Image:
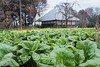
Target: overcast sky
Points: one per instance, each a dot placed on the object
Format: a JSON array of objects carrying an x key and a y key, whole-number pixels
[{"x": 83, "y": 3}]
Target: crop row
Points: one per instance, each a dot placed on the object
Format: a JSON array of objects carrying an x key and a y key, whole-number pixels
[{"x": 60, "y": 48}]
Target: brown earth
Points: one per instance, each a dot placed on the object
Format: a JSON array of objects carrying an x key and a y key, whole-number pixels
[
  {"x": 27, "y": 27},
  {"x": 4, "y": 25}
]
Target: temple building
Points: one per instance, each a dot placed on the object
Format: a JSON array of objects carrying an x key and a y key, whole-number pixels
[{"x": 55, "y": 19}]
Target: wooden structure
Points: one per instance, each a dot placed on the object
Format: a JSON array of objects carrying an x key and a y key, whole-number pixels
[
  {"x": 54, "y": 19},
  {"x": 97, "y": 24},
  {"x": 59, "y": 23}
]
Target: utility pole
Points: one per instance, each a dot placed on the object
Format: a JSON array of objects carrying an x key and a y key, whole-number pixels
[{"x": 20, "y": 14}]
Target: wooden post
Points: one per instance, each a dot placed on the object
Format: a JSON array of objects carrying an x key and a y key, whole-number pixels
[{"x": 97, "y": 23}]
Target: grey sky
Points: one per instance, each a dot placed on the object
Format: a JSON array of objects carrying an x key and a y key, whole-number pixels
[{"x": 83, "y": 3}]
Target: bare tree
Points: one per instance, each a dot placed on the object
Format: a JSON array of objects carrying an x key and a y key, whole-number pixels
[
  {"x": 29, "y": 8},
  {"x": 83, "y": 16},
  {"x": 66, "y": 9},
  {"x": 97, "y": 10},
  {"x": 91, "y": 11},
  {"x": 41, "y": 7}
]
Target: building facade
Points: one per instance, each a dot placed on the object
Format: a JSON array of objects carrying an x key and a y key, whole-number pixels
[{"x": 55, "y": 19}]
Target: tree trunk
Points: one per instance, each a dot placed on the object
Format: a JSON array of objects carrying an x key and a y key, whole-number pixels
[{"x": 66, "y": 21}]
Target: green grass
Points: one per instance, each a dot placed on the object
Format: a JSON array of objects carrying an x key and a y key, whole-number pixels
[
  {"x": 83, "y": 29},
  {"x": 98, "y": 39},
  {"x": 89, "y": 30}
]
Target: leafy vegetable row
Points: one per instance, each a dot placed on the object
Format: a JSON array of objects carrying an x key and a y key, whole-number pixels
[{"x": 52, "y": 48}]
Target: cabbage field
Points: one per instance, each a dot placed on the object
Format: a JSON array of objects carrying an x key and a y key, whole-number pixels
[{"x": 49, "y": 48}]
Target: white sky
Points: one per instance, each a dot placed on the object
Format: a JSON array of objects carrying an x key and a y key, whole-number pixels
[{"x": 83, "y": 3}]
